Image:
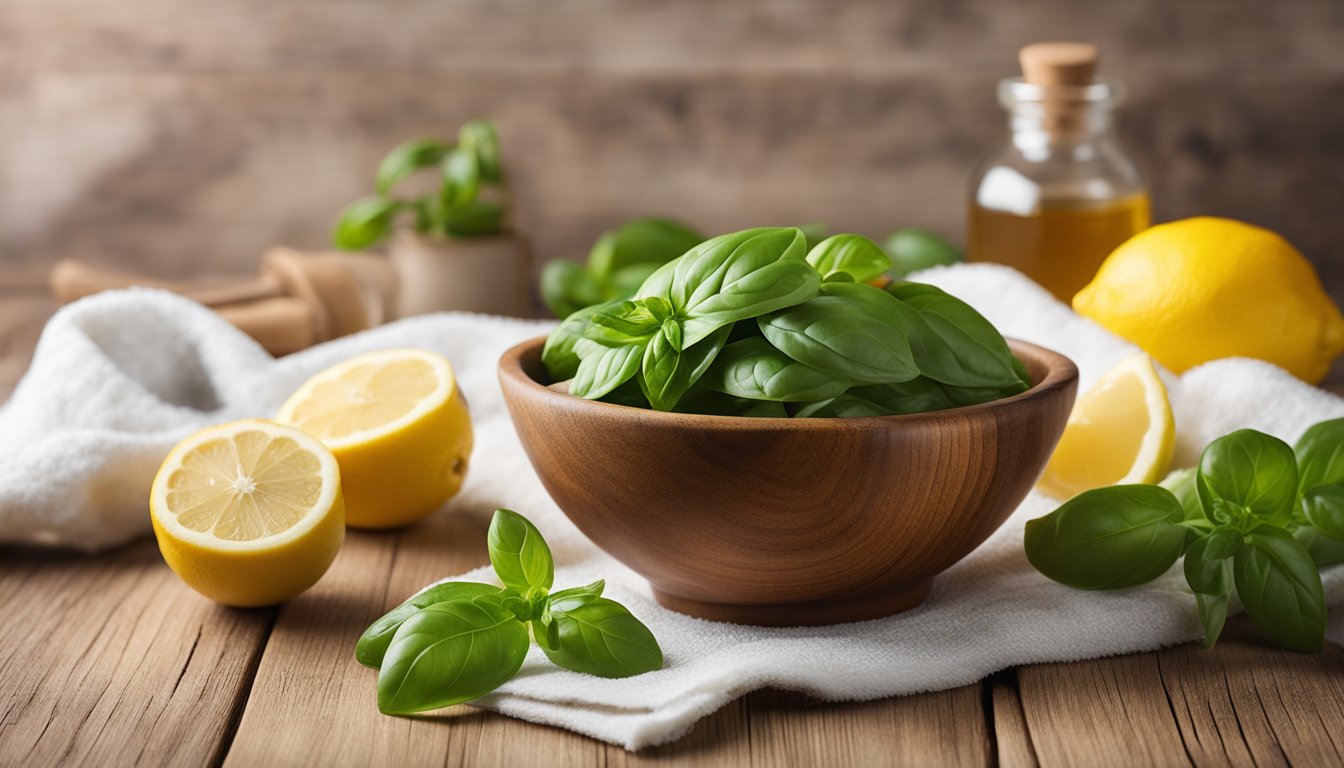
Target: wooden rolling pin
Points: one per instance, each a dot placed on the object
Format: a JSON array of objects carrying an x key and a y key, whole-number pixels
[{"x": 297, "y": 300}]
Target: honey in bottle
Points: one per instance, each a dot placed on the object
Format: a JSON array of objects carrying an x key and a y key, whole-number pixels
[{"x": 1060, "y": 195}]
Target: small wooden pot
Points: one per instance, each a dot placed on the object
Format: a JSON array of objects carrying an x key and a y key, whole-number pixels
[
  {"x": 472, "y": 274},
  {"x": 788, "y": 522}
]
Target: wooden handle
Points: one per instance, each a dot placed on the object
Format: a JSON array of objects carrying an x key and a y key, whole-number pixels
[{"x": 281, "y": 325}]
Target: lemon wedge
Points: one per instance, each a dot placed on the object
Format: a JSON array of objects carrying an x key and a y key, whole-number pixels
[
  {"x": 1120, "y": 431},
  {"x": 399, "y": 428},
  {"x": 248, "y": 513}
]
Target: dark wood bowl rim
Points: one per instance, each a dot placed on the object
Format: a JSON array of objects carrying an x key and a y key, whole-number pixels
[{"x": 1060, "y": 372}]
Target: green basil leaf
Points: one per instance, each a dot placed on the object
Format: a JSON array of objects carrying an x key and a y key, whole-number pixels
[
  {"x": 574, "y": 597},
  {"x": 846, "y": 406},
  {"x": 701, "y": 399},
  {"x": 479, "y": 217},
  {"x": 567, "y": 287},
  {"x": 600, "y": 637},
  {"x": 519, "y": 553},
  {"x": 1181, "y": 483},
  {"x": 1251, "y": 470},
  {"x": 1324, "y": 508},
  {"x": 629, "y": 394},
  {"x": 1221, "y": 544},
  {"x": 917, "y": 395},
  {"x": 405, "y": 160},
  {"x": 1108, "y": 538},
  {"x": 461, "y": 178},
  {"x": 559, "y": 353},
  {"x": 1324, "y": 550},
  {"x": 914, "y": 249},
  {"x": 481, "y": 138},
  {"x": 735, "y": 277},
  {"x": 364, "y": 223},
  {"x": 853, "y": 255},
  {"x": 603, "y": 368},
  {"x": 1211, "y": 580},
  {"x": 622, "y": 322},
  {"x": 1320, "y": 455},
  {"x": 1280, "y": 588},
  {"x": 449, "y": 653},
  {"x": 644, "y": 243},
  {"x": 849, "y": 331},
  {"x": 373, "y": 643},
  {"x": 667, "y": 372},
  {"x": 955, "y": 344},
  {"x": 754, "y": 369}
]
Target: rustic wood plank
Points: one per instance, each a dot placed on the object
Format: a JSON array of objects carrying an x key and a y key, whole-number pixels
[
  {"x": 111, "y": 660},
  {"x": 1012, "y": 740},
  {"x": 1243, "y": 703}
]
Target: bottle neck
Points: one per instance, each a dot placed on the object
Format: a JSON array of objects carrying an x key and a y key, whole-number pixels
[{"x": 1058, "y": 116}]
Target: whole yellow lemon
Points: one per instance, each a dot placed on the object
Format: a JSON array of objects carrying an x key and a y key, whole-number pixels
[{"x": 1206, "y": 288}]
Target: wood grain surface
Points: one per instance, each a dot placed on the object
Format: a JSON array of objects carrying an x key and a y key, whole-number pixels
[{"x": 186, "y": 139}]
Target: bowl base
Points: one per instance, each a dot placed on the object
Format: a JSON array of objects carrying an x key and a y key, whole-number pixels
[{"x": 837, "y": 610}]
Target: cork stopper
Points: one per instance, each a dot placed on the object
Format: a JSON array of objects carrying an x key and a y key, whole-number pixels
[{"x": 1059, "y": 64}]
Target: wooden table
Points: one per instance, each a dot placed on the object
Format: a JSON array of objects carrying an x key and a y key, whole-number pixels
[{"x": 110, "y": 660}]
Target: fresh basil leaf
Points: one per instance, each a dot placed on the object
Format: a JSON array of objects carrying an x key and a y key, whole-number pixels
[
  {"x": 519, "y": 553},
  {"x": 567, "y": 287},
  {"x": 364, "y": 223},
  {"x": 853, "y": 255},
  {"x": 846, "y": 406},
  {"x": 559, "y": 354},
  {"x": 603, "y": 368},
  {"x": 405, "y": 160},
  {"x": 955, "y": 344},
  {"x": 1320, "y": 455},
  {"x": 667, "y": 372},
  {"x": 1280, "y": 588},
  {"x": 1324, "y": 550},
  {"x": 642, "y": 243},
  {"x": 1211, "y": 580},
  {"x": 602, "y": 638},
  {"x": 479, "y": 217},
  {"x": 1252, "y": 471},
  {"x": 481, "y": 138},
  {"x": 622, "y": 322},
  {"x": 461, "y": 178},
  {"x": 373, "y": 643},
  {"x": 1324, "y": 508},
  {"x": 703, "y": 400},
  {"x": 755, "y": 370},
  {"x": 449, "y": 653},
  {"x": 851, "y": 332},
  {"x": 1181, "y": 483},
  {"x": 1221, "y": 544},
  {"x": 629, "y": 394},
  {"x": 1108, "y": 538},
  {"x": 917, "y": 395},
  {"x": 575, "y": 597},
  {"x": 735, "y": 277}
]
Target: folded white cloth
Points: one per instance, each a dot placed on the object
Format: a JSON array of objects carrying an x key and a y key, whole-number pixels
[{"x": 119, "y": 378}]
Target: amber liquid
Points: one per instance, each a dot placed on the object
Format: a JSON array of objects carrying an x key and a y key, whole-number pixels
[{"x": 1061, "y": 245}]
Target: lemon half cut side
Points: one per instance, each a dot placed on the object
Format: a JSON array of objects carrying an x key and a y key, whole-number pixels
[
  {"x": 399, "y": 428},
  {"x": 1121, "y": 431},
  {"x": 249, "y": 513}
]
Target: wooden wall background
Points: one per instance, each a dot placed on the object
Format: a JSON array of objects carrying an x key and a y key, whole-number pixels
[{"x": 185, "y": 137}]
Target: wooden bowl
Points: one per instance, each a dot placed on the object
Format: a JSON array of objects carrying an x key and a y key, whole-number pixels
[{"x": 786, "y": 522}]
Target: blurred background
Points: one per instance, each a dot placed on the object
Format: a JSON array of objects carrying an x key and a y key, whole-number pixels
[{"x": 184, "y": 139}]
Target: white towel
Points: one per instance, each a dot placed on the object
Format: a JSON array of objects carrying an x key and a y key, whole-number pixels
[{"x": 117, "y": 379}]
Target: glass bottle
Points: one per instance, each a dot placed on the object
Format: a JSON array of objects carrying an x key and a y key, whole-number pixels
[{"x": 1060, "y": 194}]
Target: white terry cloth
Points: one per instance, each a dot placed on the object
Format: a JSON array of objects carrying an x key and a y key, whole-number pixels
[{"x": 118, "y": 378}]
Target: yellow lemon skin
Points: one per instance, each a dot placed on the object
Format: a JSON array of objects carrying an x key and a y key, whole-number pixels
[
  {"x": 1206, "y": 288},
  {"x": 403, "y": 476},
  {"x": 254, "y": 579}
]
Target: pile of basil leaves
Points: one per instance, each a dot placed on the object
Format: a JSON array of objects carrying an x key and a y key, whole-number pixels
[{"x": 754, "y": 323}]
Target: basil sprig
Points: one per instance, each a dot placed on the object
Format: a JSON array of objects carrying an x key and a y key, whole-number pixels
[
  {"x": 1256, "y": 518},
  {"x": 619, "y": 262},
  {"x": 470, "y": 199},
  {"x": 757, "y": 323},
  {"x": 458, "y": 641}
]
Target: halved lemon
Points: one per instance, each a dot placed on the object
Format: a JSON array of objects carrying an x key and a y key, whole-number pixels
[
  {"x": 399, "y": 428},
  {"x": 1120, "y": 431},
  {"x": 248, "y": 513}
]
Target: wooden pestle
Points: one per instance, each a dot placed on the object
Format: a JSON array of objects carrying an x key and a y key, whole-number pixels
[{"x": 297, "y": 300}]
